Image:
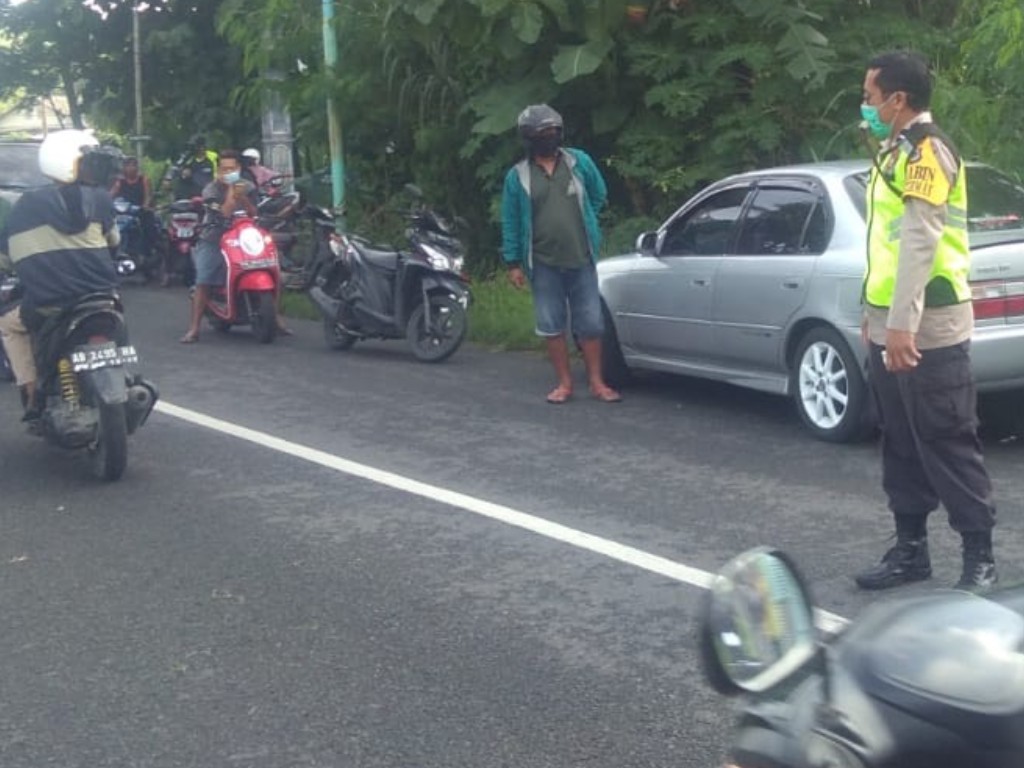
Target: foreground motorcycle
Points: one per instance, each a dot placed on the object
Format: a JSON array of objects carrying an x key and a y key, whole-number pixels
[
  {"x": 252, "y": 280},
  {"x": 934, "y": 680},
  {"x": 420, "y": 294},
  {"x": 92, "y": 396}
]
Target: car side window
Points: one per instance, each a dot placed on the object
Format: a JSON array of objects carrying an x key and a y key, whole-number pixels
[
  {"x": 706, "y": 229},
  {"x": 784, "y": 221}
]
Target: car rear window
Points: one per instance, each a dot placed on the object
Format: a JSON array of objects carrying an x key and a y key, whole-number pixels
[
  {"x": 19, "y": 166},
  {"x": 995, "y": 204}
]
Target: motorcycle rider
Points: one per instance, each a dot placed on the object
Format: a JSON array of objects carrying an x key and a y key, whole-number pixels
[
  {"x": 134, "y": 187},
  {"x": 253, "y": 171},
  {"x": 198, "y": 169},
  {"x": 228, "y": 194},
  {"x": 58, "y": 240}
]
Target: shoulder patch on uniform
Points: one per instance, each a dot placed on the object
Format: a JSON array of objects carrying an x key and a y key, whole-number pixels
[{"x": 925, "y": 178}]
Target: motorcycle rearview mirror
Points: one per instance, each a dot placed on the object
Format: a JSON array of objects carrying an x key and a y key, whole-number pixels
[
  {"x": 415, "y": 191},
  {"x": 757, "y": 624}
]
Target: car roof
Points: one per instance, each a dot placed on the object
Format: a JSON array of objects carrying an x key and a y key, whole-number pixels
[{"x": 836, "y": 169}]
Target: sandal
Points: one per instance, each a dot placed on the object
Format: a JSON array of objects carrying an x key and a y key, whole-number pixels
[
  {"x": 189, "y": 338},
  {"x": 559, "y": 395},
  {"x": 606, "y": 395}
]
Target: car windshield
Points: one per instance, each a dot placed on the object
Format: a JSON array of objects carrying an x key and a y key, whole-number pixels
[
  {"x": 19, "y": 166},
  {"x": 995, "y": 204}
]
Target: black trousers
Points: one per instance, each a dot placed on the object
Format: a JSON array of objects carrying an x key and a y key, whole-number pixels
[{"x": 930, "y": 447}]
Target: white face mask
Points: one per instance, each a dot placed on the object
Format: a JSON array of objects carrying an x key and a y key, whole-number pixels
[{"x": 232, "y": 176}]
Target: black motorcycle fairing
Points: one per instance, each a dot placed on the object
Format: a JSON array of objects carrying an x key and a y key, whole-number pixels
[{"x": 878, "y": 713}]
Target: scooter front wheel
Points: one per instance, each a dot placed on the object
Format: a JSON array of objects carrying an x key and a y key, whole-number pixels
[
  {"x": 437, "y": 340},
  {"x": 263, "y": 319}
]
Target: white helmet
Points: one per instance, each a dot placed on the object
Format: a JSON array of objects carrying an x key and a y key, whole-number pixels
[
  {"x": 253, "y": 154},
  {"x": 60, "y": 153}
]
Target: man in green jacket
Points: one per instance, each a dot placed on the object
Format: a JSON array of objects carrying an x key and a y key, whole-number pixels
[{"x": 550, "y": 236}]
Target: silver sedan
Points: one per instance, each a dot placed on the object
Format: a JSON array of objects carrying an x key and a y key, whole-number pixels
[{"x": 756, "y": 281}]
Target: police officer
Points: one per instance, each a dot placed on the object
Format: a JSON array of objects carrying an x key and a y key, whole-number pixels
[{"x": 918, "y": 323}]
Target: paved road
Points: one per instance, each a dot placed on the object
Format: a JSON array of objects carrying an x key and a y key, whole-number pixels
[{"x": 228, "y": 604}]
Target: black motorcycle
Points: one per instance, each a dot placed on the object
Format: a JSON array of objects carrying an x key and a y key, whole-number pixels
[
  {"x": 278, "y": 212},
  {"x": 92, "y": 396},
  {"x": 366, "y": 291},
  {"x": 935, "y": 679}
]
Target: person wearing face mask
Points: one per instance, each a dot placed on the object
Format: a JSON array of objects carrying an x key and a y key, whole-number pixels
[
  {"x": 918, "y": 321},
  {"x": 550, "y": 236}
]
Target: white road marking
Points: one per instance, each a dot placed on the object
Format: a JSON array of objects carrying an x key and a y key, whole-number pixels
[{"x": 827, "y": 622}]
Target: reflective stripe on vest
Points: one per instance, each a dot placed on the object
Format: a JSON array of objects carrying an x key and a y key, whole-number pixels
[{"x": 948, "y": 283}]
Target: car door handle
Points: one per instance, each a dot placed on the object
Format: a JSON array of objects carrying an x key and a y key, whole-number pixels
[
  {"x": 792, "y": 283},
  {"x": 701, "y": 282}
]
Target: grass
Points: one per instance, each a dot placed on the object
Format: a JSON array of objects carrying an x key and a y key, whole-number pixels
[{"x": 500, "y": 316}]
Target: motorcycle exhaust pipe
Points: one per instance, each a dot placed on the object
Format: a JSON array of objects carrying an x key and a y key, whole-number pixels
[
  {"x": 329, "y": 306},
  {"x": 141, "y": 400}
]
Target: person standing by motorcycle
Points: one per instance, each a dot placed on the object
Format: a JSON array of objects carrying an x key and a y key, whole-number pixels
[
  {"x": 223, "y": 197},
  {"x": 58, "y": 240},
  {"x": 918, "y": 322},
  {"x": 550, "y": 235},
  {"x": 197, "y": 169},
  {"x": 134, "y": 187}
]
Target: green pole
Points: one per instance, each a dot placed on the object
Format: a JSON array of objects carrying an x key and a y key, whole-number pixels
[{"x": 333, "y": 124}]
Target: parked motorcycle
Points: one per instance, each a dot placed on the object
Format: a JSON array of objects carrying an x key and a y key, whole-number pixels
[
  {"x": 934, "y": 679},
  {"x": 252, "y": 281},
  {"x": 278, "y": 212},
  {"x": 92, "y": 395},
  {"x": 131, "y": 256},
  {"x": 419, "y": 294},
  {"x": 181, "y": 231}
]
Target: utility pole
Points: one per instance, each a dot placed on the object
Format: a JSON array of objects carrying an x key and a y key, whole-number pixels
[
  {"x": 137, "y": 58},
  {"x": 333, "y": 123}
]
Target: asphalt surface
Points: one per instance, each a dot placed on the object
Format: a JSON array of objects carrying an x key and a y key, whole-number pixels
[{"x": 226, "y": 604}]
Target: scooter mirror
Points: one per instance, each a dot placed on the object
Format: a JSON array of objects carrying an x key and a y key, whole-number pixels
[
  {"x": 413, "y": 190},
  {"x": 757, "y": 627}
]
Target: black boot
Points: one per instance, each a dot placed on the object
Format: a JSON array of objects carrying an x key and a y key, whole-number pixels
[
  {"x": 979, "y": 564},
  {"x": 907, "y": 561}
]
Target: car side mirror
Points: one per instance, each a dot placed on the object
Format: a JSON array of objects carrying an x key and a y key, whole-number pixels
[
  {"x": 757, "y": 626},
  {"x": 647, "y": 244}
]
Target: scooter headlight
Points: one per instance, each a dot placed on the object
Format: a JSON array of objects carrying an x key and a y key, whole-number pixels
[
  {"x": 251, "y": 241},
  {"x": 440, "y": 260}
]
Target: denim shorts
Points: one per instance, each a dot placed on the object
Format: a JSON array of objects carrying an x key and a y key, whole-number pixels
[
  {"x": 561, "y": 296},
  {"x": 209, "y": 263}
]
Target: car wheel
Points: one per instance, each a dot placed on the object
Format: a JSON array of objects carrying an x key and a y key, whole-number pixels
[
  {"x": 828, "y": 387},
  {"x": 613, "y": 365}
]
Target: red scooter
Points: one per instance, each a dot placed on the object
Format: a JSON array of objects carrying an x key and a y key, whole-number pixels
[{"x": 253, "y": 279}]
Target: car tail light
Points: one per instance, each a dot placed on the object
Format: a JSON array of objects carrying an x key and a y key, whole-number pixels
[{"x": 998, "y": 298}]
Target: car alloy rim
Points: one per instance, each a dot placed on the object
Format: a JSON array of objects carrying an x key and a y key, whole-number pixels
[{"x": 824, "y": 390}]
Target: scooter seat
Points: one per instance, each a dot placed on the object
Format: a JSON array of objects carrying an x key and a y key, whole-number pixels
[{"x": 379, "y": 258}]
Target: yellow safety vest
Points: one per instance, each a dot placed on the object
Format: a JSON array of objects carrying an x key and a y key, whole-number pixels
[{"x": 911, "y": 169}]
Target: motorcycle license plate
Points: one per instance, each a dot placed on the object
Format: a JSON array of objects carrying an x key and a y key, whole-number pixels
[
  {"x": 184, "y": 232},
  {"x": 95, "y": 356}
]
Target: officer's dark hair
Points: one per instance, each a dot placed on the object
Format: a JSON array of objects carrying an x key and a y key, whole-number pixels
[{"x": 904, "y": 71}]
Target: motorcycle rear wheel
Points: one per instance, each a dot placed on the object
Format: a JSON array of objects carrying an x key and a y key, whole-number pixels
[
  {"x": 449, "y": 325},
  {"x": 109, "y": 454}
]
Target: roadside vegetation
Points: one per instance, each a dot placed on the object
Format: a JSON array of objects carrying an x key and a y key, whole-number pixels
[{"x": 667, "y": 95}]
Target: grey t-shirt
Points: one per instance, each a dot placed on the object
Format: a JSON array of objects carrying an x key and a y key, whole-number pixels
[{"x": 218, "y": 191}]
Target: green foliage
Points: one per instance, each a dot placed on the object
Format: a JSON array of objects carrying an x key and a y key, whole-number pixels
[{"x": 665, "y": 100}]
